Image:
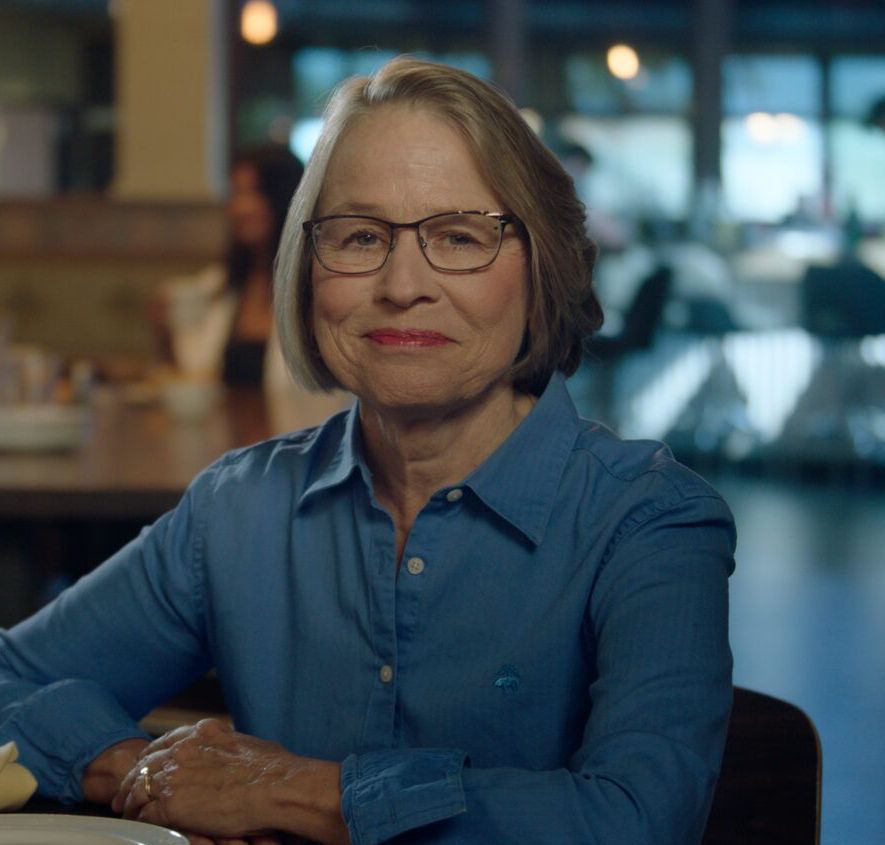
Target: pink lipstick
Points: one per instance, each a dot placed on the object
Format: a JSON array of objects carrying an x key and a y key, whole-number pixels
[{"x": 407, "y": 337}]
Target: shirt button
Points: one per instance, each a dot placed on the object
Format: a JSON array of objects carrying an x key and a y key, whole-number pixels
[
  {"x": 386, "y": 674},
  {"x": 454, "y": 495},
  {"x": 415, "y": 565}
]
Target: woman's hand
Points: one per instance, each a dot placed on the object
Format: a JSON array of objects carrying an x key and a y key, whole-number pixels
[
  {"x": 223, "y": 785},
  {"x": 102, "y": 777}
]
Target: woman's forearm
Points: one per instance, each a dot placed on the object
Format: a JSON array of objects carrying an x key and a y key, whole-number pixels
[{"x": 307, "y": 801}]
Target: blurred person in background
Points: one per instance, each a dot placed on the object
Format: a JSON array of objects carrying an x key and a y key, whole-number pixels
[
  {"x": 457, "y": 613},
  {"x": 220, "y": 322}
]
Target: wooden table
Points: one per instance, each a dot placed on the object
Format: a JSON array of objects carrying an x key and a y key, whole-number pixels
[{"x": 134, "y": 461}]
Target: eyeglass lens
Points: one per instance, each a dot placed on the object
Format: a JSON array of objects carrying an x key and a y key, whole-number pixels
[{"x": 450, "y": 242}]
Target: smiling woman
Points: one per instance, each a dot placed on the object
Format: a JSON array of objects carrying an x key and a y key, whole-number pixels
[
  {"x": 410, "y": 339},
  {"x": 456, "y": 613}
]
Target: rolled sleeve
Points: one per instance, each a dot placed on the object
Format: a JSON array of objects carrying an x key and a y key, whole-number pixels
[
  {"x": 62, "y": 727},
  {"x": 76, "y": 677},
  {"x": 385, "y": 793}
]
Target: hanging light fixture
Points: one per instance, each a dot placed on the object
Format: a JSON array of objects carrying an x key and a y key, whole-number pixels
[{"x": 258, "y": 21}]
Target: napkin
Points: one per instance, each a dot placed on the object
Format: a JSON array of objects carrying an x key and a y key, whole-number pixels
[{"x": 17, "y": 784}]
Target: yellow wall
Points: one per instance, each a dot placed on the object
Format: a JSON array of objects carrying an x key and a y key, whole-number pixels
[{"x": 171, "y": 99}]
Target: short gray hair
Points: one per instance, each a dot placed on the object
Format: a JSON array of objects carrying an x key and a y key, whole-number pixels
[{"x": 519, "y": 169}]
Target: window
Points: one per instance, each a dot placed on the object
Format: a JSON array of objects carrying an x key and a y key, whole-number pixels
[
  {"x": 772, "y": 142},
  {"x": 857, "y": 147},
  {"x": 636, "y": 132}
]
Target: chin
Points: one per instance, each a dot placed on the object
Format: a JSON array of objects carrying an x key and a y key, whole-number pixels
[
  {"x": 421, "y": 394},
  {"x": 404, "y": 398}
]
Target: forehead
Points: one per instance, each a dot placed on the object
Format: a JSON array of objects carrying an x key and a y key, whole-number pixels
[{"x": 403, "y": 157}]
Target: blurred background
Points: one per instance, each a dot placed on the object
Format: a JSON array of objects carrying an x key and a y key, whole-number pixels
[{"x": 731, "y": 155}]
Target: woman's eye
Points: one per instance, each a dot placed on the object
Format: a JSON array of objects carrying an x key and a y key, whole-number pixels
[
  {"x": 459, "y": 239},
  {"x": 362, "y": 238}
]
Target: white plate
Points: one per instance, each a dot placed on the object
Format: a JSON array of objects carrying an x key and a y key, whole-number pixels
[
  {"x": 40, "y": 427},
  {"x": 51, "y": 829}
]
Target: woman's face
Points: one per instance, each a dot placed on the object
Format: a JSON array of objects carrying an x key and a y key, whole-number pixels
[
  {"x": 249, "y": 213},
  {"x": 408, "y": 337}
]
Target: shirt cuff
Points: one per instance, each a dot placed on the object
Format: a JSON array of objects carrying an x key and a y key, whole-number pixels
[
  {"x": 385, "y": 793},
  {"x": 62, "y": 728}
]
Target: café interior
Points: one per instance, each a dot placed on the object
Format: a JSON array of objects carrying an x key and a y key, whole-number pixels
[{"x": 731, "y": 156}]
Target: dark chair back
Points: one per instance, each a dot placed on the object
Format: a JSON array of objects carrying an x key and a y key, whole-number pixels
[
  {"x": 641, "y": 320},
  {"x": 846, "y": 300},
  {"x": 643, "y": 317},
  {"x": 769, "y": 792}
]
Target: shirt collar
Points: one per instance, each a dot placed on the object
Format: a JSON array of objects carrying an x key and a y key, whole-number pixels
[
  {"x": 519, "y": 481},
  {"x": 343, "y": 461}
]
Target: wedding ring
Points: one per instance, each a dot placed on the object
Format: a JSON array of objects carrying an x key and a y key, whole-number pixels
[{"x": 145, "y": 773}]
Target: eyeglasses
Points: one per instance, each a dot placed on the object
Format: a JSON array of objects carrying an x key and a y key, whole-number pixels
[{"x": 455, "y": 241}]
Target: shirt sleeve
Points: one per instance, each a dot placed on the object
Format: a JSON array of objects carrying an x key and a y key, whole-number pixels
[
  {"x": 76, "y": 676},
  {"x": 652, "y": 747}
]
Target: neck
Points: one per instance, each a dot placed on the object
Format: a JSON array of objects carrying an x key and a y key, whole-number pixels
[{"x": 411, "y": 457}]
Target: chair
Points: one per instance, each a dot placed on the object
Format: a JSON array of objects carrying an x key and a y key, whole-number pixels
[
  {"x": 769, "y": 791},
  {"x": 842, "y": 301},
  {"x": 602, "y": 353},
  {"x": 641, "y": 320}
]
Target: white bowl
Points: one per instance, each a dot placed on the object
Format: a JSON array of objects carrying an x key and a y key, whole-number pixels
[
  {"x": 39, "y": 428},
  {"x": 190, "y": 401}
]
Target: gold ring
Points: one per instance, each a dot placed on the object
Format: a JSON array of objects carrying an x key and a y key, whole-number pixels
[{"x": 145, "y": 773}]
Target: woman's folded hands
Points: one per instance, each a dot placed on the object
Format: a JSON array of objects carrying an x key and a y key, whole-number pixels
[{"x": 217, "y": 785}]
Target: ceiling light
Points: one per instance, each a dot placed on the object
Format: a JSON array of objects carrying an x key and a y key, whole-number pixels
[
  {"x": 622, "y": 61},
  {"x": 258, "y": 21}
]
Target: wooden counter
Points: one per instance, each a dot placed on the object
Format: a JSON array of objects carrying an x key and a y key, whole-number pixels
[{"x": 133, "y": 462}]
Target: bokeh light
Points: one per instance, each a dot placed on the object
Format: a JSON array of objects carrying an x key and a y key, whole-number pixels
[
  {"x": 622, "y": 61},
  {"x": 258, "y": 21}
]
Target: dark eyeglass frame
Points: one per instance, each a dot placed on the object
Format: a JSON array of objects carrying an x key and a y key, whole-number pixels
[{"x": 309, "y": 227}]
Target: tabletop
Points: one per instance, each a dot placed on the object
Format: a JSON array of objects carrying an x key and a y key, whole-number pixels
[{"x": 135, "y": 461}]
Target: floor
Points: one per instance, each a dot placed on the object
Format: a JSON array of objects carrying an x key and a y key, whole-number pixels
[
  {"x": 808, "y": 625},
  {"x": 792, "y": 432}
]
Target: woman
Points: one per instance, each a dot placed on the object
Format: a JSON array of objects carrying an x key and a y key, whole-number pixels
[
  {"x": 456, "y": 614},
  {"x": 221, "y": 321}
]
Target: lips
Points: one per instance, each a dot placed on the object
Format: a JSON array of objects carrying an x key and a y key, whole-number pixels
[{"x": 407, "y": 337}]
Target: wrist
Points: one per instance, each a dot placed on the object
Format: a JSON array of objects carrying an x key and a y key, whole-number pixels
[
  {"x": 306, "y": 801},
  {"x": 102, "y": 777}
]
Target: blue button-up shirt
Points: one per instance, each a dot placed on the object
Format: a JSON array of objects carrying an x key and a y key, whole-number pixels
[{"x": 549, "y": 664}]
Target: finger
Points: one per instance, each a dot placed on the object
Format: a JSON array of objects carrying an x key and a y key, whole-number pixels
[
  {"x": 153, "y": 812},
  {"x": 168, "y": 739},
  {"x": 202, "y": 729},
  {"x": 196, "y": 839},
  {"x": 128, "y": 785},
  {"x": 144, "y": 792}
]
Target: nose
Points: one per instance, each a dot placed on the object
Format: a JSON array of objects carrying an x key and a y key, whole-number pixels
[{"x": 406, "y": 278}]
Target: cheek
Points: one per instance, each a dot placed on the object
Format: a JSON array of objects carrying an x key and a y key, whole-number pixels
[
  {"x": 509, "y": 305},
  {"x": 333, "y": 302}
]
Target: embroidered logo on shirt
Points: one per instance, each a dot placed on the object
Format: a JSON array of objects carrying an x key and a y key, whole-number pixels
[{"x": 507, "y": 678}]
